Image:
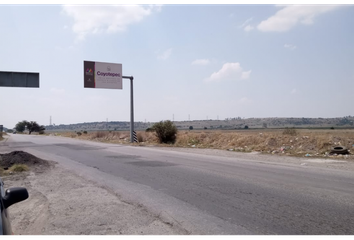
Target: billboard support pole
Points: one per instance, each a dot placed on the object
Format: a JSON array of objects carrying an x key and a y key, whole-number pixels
[{"x": 131, "y": 108}]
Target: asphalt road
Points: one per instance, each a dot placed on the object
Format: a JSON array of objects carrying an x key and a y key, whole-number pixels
[{"x": 210, "y": 194}]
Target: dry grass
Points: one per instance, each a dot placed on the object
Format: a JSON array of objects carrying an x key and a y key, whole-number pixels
[
  {"x": 112, "y": 136},
  {"x": 18, "y": 168},
  {"x": 14, "y": 168},
  {"x": 296, "y": 143},
  {"x": 2, "y": 172},
  {"x": 2, "y": 134}
]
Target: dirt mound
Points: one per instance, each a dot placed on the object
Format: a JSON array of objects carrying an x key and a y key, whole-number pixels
[{"x": 20, "y": 157}]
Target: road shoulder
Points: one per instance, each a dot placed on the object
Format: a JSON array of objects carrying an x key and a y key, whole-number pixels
[{"x": 62, "y": 203}]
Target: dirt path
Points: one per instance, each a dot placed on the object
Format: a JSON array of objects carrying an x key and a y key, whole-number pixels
[{"x": 63, "y": 203}]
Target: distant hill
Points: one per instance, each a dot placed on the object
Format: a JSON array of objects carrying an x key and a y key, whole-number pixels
[{"x": 229, "y": 123}]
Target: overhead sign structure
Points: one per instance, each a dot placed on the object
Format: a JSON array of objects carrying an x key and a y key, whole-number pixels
[
  {"x": 102, "y": 75},
  {"x": 108, "y": 75},
  {"x": 19, "y": 79}
]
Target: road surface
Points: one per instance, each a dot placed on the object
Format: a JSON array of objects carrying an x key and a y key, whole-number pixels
[{"x": 210, "y": 194}]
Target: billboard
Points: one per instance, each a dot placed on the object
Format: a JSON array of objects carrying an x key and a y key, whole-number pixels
[
  {"x": 19, "y": 79},
  {"x": 102, "y": 75}
]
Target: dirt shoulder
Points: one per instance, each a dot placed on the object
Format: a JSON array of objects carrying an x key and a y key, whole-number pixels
[{"x": 63, "y": 203}]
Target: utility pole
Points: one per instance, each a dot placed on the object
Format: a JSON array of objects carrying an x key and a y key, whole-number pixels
[
  {"x": 173, "y": 117},
  {"x": 131, "y": 108},
  {"x": 50, "y": 121},
  {"x": 189, "y": 117}
]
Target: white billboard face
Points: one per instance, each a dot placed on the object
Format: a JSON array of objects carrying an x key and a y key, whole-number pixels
[{"x": 106, "y": 75}]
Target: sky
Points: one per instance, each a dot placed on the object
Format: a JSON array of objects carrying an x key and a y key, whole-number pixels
[{"x": 188, "y": 61}]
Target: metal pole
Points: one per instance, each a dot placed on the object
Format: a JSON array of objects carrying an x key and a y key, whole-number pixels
[
  {"x": 131, "y": 111},
  {"x": 131, "y": 108}
]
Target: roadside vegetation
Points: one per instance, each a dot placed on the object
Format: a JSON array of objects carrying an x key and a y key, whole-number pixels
[
  {"x": 13, "y": 169},
  {"x": 293, "y": 142},
  {"x": 30, "y": 126},
  {"x": 18, "y": 168},
  {"x": 165, "y": 131}
]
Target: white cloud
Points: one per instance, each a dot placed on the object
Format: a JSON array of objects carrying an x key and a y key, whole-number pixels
[
  {"x": 290, "y": 16},
  {"x": 248, "y": 28},
  {"x": 246, "y": 22},
  {"x": 293, "y": 91},
  {"x": 202, "y": 62},
  {"x": 246, "y": 75},
  {"x": 165, "y": 55},
  {"x": 106, "y": 19},
  {"x": 157, "y": 7},
  {"x": 232, "y": 71},
  {"x": 290, "y": 46}
]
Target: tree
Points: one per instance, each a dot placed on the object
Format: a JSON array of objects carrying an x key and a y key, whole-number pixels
[
  {"x": 246, "y": 127},
  {"x": 190, "y": 127},
  {"x": 165, "y": 131},
  {"x": 34, "y": 127},
  {"x": 21, "y": 126}
]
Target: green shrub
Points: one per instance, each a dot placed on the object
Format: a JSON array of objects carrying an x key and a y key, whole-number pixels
[
  {"x": 78, "y": 133},
  {"x": 289, "y": 131},
  {"x": 190, "y": 127},
  {"x": 165, "y": 131},
  {"x": 85, "y": 132}
]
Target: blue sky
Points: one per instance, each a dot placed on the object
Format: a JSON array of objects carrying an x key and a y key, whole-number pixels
[{"x": 198, "y": 60}]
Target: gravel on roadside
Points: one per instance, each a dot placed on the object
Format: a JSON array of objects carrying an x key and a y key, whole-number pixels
[{"x": 63, "y": 203}]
